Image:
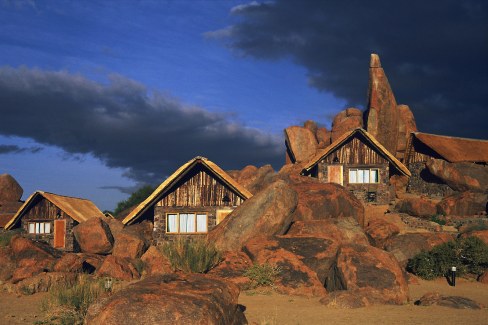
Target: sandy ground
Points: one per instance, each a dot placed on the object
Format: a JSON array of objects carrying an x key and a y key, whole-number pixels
[{"x": 274, "y": 309}]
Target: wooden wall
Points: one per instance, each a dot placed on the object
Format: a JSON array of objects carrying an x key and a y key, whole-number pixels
[
  {"x": 43, "y": 209},
  {"x": 419, "y": 152},
  {"x": 356, "y": 152}
]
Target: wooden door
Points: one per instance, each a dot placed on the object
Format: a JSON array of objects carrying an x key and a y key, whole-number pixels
[
  {"x": 335, "y": 174},
  {"x": 59, "y": 233}
]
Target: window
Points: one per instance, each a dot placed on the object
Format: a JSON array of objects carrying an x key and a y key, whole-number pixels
[
  {"x": 363, "y": 176},
  {"x": 39, "y": 227},
  {"x": 186, "y": 223}
]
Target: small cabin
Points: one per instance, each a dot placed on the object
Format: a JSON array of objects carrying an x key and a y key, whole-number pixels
[
  {"x": 190, "y": 202},
  {"x": 358, "y": 162},
  {"x": 50, "y": 217},
  {"x": 424, "y": 146}
]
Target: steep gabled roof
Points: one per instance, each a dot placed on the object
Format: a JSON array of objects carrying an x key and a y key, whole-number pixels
[
  {"x": 78, "y": 209},
  {"x": 453, "y": 149},
  {"x": 321, "y": 154},
  {"x": 176, "y": 176}
]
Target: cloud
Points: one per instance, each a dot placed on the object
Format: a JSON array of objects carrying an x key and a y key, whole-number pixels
[
  {"x": 12, "y": 149},
  {"x": 124, "y": 124},
  {"x": 434, "y": 52}
]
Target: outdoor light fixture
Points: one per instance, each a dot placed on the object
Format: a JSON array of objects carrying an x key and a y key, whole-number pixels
[
  {"x": 453, "y": 276},
  {"x": 108, "y": 284}
]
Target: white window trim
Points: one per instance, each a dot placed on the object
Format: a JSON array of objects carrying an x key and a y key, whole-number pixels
[
  {"x": 370, "y": 175},
  {"x": 195, "y": 224}
]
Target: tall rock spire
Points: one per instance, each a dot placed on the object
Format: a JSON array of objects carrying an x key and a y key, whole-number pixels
[{"x": 381, "y": 116}]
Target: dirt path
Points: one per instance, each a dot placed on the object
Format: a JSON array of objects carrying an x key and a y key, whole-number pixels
[{"x": 274, "y": 309}]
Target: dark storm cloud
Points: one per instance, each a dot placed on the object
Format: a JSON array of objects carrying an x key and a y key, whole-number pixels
[
  {"x": 11, "y": 148},
  {"x": 435, "y": 53},
  {"x": 124, "y": 124}
]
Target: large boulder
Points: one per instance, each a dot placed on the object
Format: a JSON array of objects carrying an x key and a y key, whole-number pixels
[
  {"x": 323, "y": 137},
  {"x": 78, "y": 263},
  {"x": 94, "y": 236},
  {"x": 463, "y": 204},
  {"x": 434, "y": 298},
  {"x": 301, "y": 142},
  {"x": 460, "y": 176},
  {"x": 155, "y": 263},
  {"x": 406, "y": 125},
  {"x": 369, "y": 273},
  {"x": 118, "y": 268},
  {"x": 10, "y": 190},
  {"x": 232, "y": 267},
  {"x": 129, "y": 244},
  {"x": 406, "y": 246},
  {"x": 295, "y": 276},
  {"x": 7, "y": 264},
  {"x": 254, "y": 179},
  {"x": 267, "y": 213},
  {"x": 171, "y": 299},
  {"x": 382, "y": 117},
  {"x": 379, "y": 231},
  {"x": 44, "y": 281},
  {"x": 345, "y": 121},
  {"x": 417, "y": 206}
]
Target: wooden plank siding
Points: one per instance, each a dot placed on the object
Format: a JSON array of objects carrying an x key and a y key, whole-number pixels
[
  {"x": 419, "y": 152},
  {"x": 43, "y": 210},
  {"x": 356, "y": 152}
]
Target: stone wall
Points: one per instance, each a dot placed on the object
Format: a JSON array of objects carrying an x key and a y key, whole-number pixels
[{"x": 423, "y": 182}]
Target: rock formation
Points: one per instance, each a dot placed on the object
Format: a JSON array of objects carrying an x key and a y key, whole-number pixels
[
  {"x": 346, "y": 120},
  {"x": 10, "y": 190},
  {"x": 301, "y": 144}
]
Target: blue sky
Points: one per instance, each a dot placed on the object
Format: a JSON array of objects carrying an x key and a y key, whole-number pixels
[{"x": 98, "y": 98}]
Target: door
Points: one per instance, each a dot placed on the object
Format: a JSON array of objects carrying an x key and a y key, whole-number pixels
[
  {"x": 335, "y": 174},
  {"x": 59, "y": 233}
]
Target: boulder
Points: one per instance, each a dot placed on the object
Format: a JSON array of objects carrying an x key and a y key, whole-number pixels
[
  {"x": 368, "y": 272},
  {"x": 312, "y": 126},
  {"x": 406, "y": 125},
  {"x": 94, "y": 236},
  {"x": 25, "y": 272},
  {"x": 78, "y": 263},
  {"x": 10, "y": 190},
  {"x": 381, "y": 116},
  {"x": 143, "y": 229},
  {"x": 233, "y": 267},
  {"x": 129, "y": 244},
  {"x": 171, "y": 299},
  {"x": 115, "y": 225},
  {"x": 254, "y": 179},
  {"x": 295, "y": 277},
  {"x": 267, "y": 213},
  {"x": 379, "y": 231},
  {"x": 301, "y": 142},
  {"x": 483, "y": 278},
  {"x": 463, "y": 204},
  {"x": 42, "y": 282},
  {"x": 345, "y": 121},
  {"x": 323, "y": 137},
  {"x": 406, "y": 246},
  {"x": 481, "y": 234},
  {"x": 460, "y": 177},
  {"x": 155, "y": 263},
  {"x": 118, "y": 268},
  {"x": 7, "y": 264},
  {"x": 417, "y": 206},
  {"x": 434, "y": 298}
]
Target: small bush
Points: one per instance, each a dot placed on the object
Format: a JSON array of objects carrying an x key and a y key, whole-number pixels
[
  {"x": 68, "y": 304},
  {"x": 262, "y": 275},
  {"x": 468, "y": 255},
  {"x": 7, "y": 235},
  {"x": 191, "y": 256},
  {"x": 438, "y": 220},
  {"x": 480, "y": 225}
]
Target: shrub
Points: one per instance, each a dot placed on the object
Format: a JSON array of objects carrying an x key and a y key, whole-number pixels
[
  {"x": 480, "y": 225},
  {"x": 67, "y": 304},
  {"x": 262, "y": 275},
  {"x": 438, "y": 220},
  {"x": 191, "y": 256},
  {"x": 468, "y": 255},
  {"x": 7, "y": 235}
]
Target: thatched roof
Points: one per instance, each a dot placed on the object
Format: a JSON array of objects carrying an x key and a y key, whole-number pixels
[
  {"x": 7, "y": 211},
  {"x": 453, "y": 149},
  {"x": 78, "y": 209},
  {"x": 321, "y": 154},
  {"x": 161, "y": 190}
]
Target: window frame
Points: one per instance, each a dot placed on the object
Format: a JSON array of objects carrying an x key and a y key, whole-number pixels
[
  {"x": 195, "y": 225},
  {"x": 37, "y": 227},
  {"x": 370, "y": 174}
]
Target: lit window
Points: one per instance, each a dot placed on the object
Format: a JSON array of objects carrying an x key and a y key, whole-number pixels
[
  {"x": 39, "y": 228},
  {"x": 363, "y": 176},
  {"x": 188, "y": 223}
]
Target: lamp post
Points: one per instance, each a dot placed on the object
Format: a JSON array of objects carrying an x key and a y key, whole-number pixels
[
  {"x": 453, "y": 276},
  {"x": 108, "y": 284}
]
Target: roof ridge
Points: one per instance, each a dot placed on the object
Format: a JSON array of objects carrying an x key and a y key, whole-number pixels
[{"x": 449, "y": 136}]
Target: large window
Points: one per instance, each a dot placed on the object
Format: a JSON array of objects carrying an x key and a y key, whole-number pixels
[
  {"x": 39, "y": 227},
  {"x": 186, "y": 223},
  {"x": 363, "y": 175}
]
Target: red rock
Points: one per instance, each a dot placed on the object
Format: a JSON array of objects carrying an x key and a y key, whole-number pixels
[
  {"x": 406, "y": 246},
  {"x": 368, "y": 272},
  {"x": 119, "y": 268},
  {"x": 295, "y": 277},
  {"x": 382, "y": 116},
  {"x": 94, "y": 236},
  {"x": 28, "y": 271},
  {"x": 31, "y": 257},
  {"x": 417, "y": 206},
  {"x": 406, "y": 125},
  {"x": 345, "y": 121},
  {"x": 460, "y": 176},
  {"x": 301, "y": 142},
  {"x": 463, "y": 204},
  {"x": 43, "y": 282},
  {"x": 7, "y": 263},
  {"x": 233, "y": 267},
  {"x": 143, "y": 229},
  {"x": 255, "y": 179},
  {"x": 115, "y": 225},
  {"x": 129, "y": 244},
  {"x": 69, "y": 262},
  {"x": 10, "y": 190},
  {"x": 399, "y": 183},
  {"x": 323, "y": 137},
  {"x": 312, "y": 126},
  {"x": 267, "y": 213},
  {"x": 171, "y": 299},
  {"x": 379, "y": 231},
  {"x": 155, "y": 263},
  {"x": 483, "y": 278},
  {"x": 434, "y": 298},
  {"x": 481, "y": 234}
]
